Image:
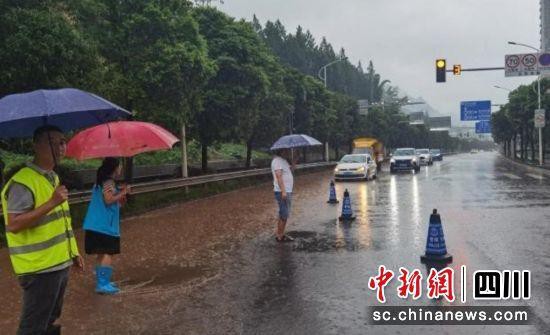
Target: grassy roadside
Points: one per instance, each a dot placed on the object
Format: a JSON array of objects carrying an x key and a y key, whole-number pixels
[{"x": 224, "y": 151}]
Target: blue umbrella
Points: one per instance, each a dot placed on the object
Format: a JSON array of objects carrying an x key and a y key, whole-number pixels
[
  {"x": 66, "y": 108},
  {"x": 295, "y": 141}
]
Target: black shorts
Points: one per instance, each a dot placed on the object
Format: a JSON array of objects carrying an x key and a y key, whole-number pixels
[{"x": 98, "y": 243}]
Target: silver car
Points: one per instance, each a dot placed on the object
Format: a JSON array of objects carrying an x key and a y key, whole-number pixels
[
  {"x": 404, "y": 159},
  {"x": 425, "y": 156}
]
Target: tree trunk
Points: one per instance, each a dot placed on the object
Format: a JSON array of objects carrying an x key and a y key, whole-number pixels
[
  {"x": 545, "y": 139},
  {"x": 526, "y": 145},
  {"x": 204, "y": 158},
  {"x": 532, "y": 140},
  {"x": 184, "y": 169},
  {"x": 248, "y": 154},
  {"x": 521, "y": 145},
  {"x": 514, "y": 146}
]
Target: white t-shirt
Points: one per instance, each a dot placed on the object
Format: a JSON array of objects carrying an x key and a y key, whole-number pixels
[{"x": 279, "y": 163}]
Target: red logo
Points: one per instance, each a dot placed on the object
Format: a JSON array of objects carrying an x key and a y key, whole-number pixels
[
  {"x": 410, "y": 284},
  {"x": 379, "y": 282},
  {"x": 440, "y": 283}
]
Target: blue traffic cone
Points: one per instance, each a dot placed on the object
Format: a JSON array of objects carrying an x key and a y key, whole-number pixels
[
  {"x": 347, "y": 212},
  {"x": 332, "y": 195},
  {"x": 436, "y": 250}
]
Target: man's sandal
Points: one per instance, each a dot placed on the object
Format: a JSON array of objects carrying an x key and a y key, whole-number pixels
[{"x": 285, "y": 238}]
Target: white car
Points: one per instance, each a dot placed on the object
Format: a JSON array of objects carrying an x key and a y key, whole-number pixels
[
  {"x": 355, "y": 166},
  {"x": 404, "y": 159},
  {"x": 425, "y": 156}
]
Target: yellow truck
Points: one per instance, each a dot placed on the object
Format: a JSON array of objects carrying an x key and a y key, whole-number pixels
[{"x": 372, "y": 146}]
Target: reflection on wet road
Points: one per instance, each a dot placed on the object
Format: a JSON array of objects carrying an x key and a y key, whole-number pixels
[{"x": 213, "y": 267}]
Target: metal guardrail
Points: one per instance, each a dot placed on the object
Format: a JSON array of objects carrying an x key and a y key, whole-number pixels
[
  {"x": 170, "y": 184},
  {"x": 147, "y": 187},
  {"x": 141, "y": 188}
]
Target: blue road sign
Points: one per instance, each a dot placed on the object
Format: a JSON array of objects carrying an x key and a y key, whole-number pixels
[
  {"x": 475, "y": 110},
  {"x": 483, "y": 127}
]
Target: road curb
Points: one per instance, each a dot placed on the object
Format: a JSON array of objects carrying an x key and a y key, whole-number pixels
[{"x": 528, "y": 167}]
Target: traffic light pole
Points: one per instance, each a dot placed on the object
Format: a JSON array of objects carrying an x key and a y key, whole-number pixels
[
  {"x": 541, "y": 160},
  {"x": 479, "y": 69}
]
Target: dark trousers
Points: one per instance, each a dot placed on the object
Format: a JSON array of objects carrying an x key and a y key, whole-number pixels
[{"x": 42, "y": 302}]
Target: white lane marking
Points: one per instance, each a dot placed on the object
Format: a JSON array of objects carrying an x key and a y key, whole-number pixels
[
  {"x": 511, "y": 176},
  {"x": 536, "y": 176}
]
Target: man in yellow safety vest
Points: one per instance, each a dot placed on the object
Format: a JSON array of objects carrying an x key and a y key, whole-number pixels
[{"x": 40, "y": 237}]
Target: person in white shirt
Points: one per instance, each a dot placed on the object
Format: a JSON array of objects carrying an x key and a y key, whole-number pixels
[{"x": 283, "y": 183}]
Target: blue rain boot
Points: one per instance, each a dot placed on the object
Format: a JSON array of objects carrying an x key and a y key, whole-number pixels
[
  {"x": 103, "y": 277},
  {"x": 113, "y": 284}
]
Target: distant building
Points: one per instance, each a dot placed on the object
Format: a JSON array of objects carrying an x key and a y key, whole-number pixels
[
  {"x": 439, "y": 123},
  {"x": 469, "y": 132},
  {"x": 421, "y": 113},
  {"x": 417, "y": 118},
  {"x": 419, "y": 105}
]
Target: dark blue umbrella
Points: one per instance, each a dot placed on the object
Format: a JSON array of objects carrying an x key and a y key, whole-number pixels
[
  {"x": 295, "y": 141},
  {"x": 66, "y": 108}
]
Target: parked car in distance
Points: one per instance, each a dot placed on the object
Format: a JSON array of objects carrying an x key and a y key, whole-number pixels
[
  {"x": 437, "y": 155},
  {"x": 424, "y": 156}
]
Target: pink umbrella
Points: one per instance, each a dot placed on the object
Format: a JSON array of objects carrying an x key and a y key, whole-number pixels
[{"x": 119, "y": 139}]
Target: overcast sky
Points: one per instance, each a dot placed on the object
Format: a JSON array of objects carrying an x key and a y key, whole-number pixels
[{"x": 404, "y": 37}]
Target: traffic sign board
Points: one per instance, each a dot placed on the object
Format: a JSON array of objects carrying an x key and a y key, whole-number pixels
[
  {"x": 540, "y": 119},
  {"x": 512, "y": 61},
  {"x": 363, "y": 107},
  {"x": 529, "y": 60},
  {"x": 475, "y": 110},
  {"x": 531, "y": 64},
  {"x": 483, "y": 127},
  {"x": 544, "y": 63}
]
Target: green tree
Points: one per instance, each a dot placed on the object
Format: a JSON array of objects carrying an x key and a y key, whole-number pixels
[
  {"x": 156, "y": 61},
  {"x": 43, "y": 47},
  {"x": 236, "y": 92}
]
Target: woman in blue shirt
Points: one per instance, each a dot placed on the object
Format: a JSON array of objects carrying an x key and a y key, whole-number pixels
[{"x": 102, "y": 223}]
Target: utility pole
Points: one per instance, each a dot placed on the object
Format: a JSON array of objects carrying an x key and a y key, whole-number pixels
[
  {"x": 541, "y": 161},
  {"x": 324, "y": 79}
]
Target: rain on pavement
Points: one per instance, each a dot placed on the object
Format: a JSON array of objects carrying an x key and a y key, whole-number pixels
[{"x": 212, "y": 266}]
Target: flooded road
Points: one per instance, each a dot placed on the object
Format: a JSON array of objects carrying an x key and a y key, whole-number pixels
[{"x": 212, "y": 266}]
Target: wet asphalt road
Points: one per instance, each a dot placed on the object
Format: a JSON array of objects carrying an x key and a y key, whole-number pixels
[
  {"x": 212, "y": 266},
  {"x": 495, "y": 216}
]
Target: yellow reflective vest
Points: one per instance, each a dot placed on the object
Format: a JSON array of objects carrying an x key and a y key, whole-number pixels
[{"x": 50, "y": 242}]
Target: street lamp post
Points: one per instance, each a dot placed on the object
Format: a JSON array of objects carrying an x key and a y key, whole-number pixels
[
  {"x": 541, "y": 162},
  {"x": 324, "y": 79},
  {"x": 502, "y": 88},
  {"x": 324, "y": 70}
]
